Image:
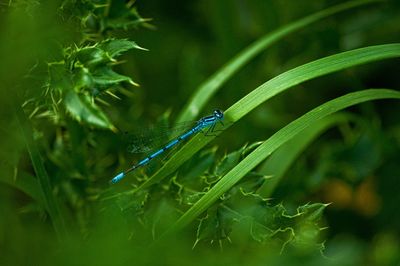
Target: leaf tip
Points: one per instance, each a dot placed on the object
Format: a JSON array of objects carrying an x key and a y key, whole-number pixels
[
  {"x": 113, "y": 129},
  {"x": 133, "y": 83}
]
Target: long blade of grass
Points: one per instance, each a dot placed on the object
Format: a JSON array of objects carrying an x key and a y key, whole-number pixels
[
  {"x": 209, "y": 87},
  {"x": 271, "y": 88},
  {"x": 275, "y": 141},
  {"x": 24, "y": 182},
  {"x": 50, "y": 202}
]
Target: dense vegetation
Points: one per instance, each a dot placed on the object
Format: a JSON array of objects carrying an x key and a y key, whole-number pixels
[{"x": 302, "y": 176}]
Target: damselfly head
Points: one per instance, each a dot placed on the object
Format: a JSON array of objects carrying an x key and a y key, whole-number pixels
[{"x": 218, "y": 114}]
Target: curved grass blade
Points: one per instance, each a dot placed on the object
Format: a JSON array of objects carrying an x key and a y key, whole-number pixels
[
  {"x": 274, "y": 142},
  {"x": 209, "y": 87},
  {"x": 273, "y": 87}
]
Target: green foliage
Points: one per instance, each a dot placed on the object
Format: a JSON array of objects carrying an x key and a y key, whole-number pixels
[
  {"x": 239, "y": 214},
  {"x": 319, "y": 185},
  {"x": 101, "y": 17},
  {"x": 246, "y": 212},
  {"x": 81, "y": 77}
]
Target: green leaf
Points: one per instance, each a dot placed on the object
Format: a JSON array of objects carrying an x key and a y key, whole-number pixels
[
  {"x": 83, "y": 110},
  {"x": 82, "y": 79},
  {"x": 59, "y": 78},
  {"x": 215, "y": 226},
  {"x": 124, "y": 23},
  {"x": 123, "y": 16},
  {"x": 115, "y": 47},
  {"x": 103, "y": 52},
  {"x": 85, "y": 71},
  {"x": 200, "y": 164},
  {"x": 273, "y": 224},
  {"x": 23, "y": 182},
  {"x": 209, "y": 87},
  {"x": 270, "y": 225},
  {"x": 105, "y": 76},
  {"x": 92, "y": 56},
  {"x": 99, "y": 16},
  {"x": 232, "y": 159},
  {"x": 312, "y": 212}
]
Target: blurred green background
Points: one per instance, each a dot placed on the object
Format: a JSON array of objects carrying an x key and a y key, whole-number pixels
[{"x": 355, "y": 167}]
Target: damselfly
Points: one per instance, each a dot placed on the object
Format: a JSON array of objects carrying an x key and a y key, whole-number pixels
[{"x": 206, "y": 125}]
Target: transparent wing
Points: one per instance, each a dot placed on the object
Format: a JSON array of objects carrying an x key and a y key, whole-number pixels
[{"x": 147, "y": 139}]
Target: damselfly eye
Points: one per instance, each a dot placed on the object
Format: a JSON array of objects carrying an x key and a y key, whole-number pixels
[{"x": 218, "y": 114}]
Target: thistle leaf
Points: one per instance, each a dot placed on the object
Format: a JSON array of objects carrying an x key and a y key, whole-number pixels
[{"x": 83, "y": 110}]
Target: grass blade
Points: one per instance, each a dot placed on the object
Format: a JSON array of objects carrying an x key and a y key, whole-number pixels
[
  {"x": 24, "y": 182},
  {"x": 50, "y": 202},
  {"x": 209, "y": 87}
]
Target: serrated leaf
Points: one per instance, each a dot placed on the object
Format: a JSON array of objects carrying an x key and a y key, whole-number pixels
[
  {"x": 197, "y": 167},
  {"x": 58, "y": 76},
  {"x": 249, "y": 184},
  {"x": 123, "y": 23},
  {"x": 273, "y": 224},
  {"x": 267, "y": 224},
  {"x": 228, "y": 162},
  {"x": 106, "y": 77},
  {"x": 133, "y": 203},
  {"x": 83, "y": 110},
  {"x": 115, "y": 47},
  {"x": 216, "y": 226},
  {"x": 122, "y": 16},
  {"x": 92, "y": 56},
  {"x": 189, "y": 197},
  {"x": 160, "y": 215},
  {"x": 232, "y": 159},
  {"x": 312, "y": 212},
  {"x": 85, "y": 71},
  {"x": 82, "y": 79}
]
